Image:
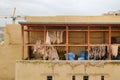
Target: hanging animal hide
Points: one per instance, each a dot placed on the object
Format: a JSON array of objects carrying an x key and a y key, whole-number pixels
[
  {"x": 48, "y": 38},
  {"x": 114, "y": 50},
  {"x": 54, "y": 37},
  {"x": 97, "y": 52}
]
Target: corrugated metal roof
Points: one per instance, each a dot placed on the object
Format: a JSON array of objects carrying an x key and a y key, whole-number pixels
[{"x": 25, "y": 23}]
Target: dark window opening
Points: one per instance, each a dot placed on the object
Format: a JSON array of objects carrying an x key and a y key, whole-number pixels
[
  {"x": 73, "y": 77},
  {"x": 49, "y": 77},
  {"x": 102, "y": 77},
  {"x": 85, "y": 77}
]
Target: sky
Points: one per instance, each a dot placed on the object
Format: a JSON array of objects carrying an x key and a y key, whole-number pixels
[{"x": 56, "y": 7}]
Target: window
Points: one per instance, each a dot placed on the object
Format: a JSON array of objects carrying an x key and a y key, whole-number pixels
[
  {"x": 73, "y": 77},
  {"x": 49, "y": 77},
  {"x": 102, "y": 77},
  {"x": 85, "y": 77}
]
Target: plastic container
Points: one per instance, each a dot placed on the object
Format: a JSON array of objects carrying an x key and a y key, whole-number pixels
[
  {"x": 84, "y": 54},
  {"x": 81, "y": 58},
  {"x": 71, "y": 56},
  {"x": 118, "y": 57}
]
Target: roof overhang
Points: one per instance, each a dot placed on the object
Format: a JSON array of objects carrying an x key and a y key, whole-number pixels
[{"x": 70, "y": 23}]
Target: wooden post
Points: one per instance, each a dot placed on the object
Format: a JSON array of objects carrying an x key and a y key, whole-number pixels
[
  {"x": 22, "y": 32},
  {"x": 66, "y": 42},
  {"x": 110, "y": 43},
  {"x": 85, "y": 40},
  {"x": 45, "y": 39},
  {"x": 88, "y": 41},
  {"x": 28, "y": 48}
]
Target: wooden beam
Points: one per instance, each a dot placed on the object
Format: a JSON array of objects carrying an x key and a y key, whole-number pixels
[
  {"x": 110, "y": 54},
  {"x": 45, "y": 40},
  {"x": 28, "y": 48},
  {"x": 83, "y": 25},
  {"x": 22, "y": 33},
  {"x": 66, "y": 42},
  {"x": 88, "y": 41}
]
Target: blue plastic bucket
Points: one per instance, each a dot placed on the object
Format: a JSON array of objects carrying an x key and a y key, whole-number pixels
[
  {"x": 71, "y": 56},
  {"x": 84, "y": 54}
]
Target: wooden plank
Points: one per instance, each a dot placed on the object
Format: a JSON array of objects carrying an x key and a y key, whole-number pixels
[
  {"x": 99, "y": 30},
  {"x": 45, "y": 45},
  {"x": 79, "y": 30},
  {"x": 99, "y": 44},
  {"x": 33, "y": 30},
  {"x": 115, "y": 30}
]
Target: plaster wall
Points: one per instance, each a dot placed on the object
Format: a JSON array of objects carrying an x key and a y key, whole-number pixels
[{"x": 64, "y": 70}]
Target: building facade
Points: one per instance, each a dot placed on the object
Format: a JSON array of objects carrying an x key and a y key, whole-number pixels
[{"x": 14, "y": 46}]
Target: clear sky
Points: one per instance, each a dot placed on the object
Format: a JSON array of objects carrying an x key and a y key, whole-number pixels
[{"x": 57, "y": 7}]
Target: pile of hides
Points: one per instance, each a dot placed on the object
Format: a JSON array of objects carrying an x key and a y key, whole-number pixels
[
  {"x": 97, "y": 52},
  {"x": 51, "y": 53},
  {"x": 53, "y": 37},
  {"x": 38, "y": 50},
  {"x": 40, "y": 53},
  {"x": 61, "y": 51}
]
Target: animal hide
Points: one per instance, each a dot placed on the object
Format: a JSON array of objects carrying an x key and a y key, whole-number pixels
[
  {"x": 52, "y": 53},
  {"x": 38, "y": 50},
  {"x": 48, "y": 38},
  {"x": 97, "y": 52},
  {"x": 54, "y": 37},
  {"x": 114, "y": 50}
]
